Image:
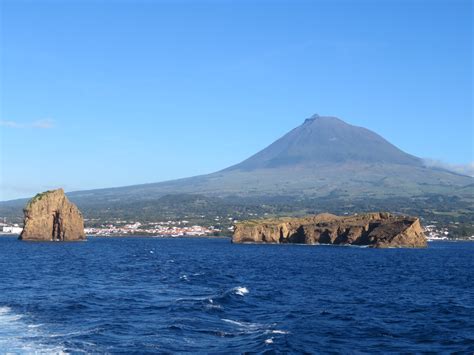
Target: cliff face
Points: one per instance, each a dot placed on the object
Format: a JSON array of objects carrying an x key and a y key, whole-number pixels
[
  {"x": 378, "y": 230},
  {"x": 49, "y": 216}
]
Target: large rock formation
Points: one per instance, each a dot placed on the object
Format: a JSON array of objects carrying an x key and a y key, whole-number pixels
[
  {"x": 49, "y": 216},
  {"x": 378, "y": 230}
]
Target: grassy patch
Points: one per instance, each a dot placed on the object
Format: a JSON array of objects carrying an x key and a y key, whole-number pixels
[{"x": 37, "y": 197}]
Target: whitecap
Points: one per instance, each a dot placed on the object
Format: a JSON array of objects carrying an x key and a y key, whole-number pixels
[
  {"x": 279, "y": 332},
  {"x": 248, "y": 327},
  {"x": 18, "y": 336},
  {"x": 244, "y": 325},
  {"x": 241, "y": 290},
  {"x": 269, "y": 341},
  {"x": 234, "y": 322},
  {"x": 4, "y": 310}
]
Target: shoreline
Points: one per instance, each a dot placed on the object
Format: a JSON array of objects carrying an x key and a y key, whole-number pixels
[
  {"x": 159, "y": 236},
  {"x": 131, "y": 236},
  {"x": 137, "y": 236}
]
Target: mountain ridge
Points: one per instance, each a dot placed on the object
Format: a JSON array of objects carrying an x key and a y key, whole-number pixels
[
  {"x": 327, "y": 139},
  {"x": 321, "y": 157}
]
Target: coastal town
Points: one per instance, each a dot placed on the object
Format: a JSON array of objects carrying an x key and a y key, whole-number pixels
[
  {"x": 183, "y": 228},
  {"x": 164, "y": 229},
  {"x": 124, "y": 228}
]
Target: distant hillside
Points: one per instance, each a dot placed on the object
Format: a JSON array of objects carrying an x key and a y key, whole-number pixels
[
  {"x": 322, "y": 156},
  {"x": 322, "y": 159}
]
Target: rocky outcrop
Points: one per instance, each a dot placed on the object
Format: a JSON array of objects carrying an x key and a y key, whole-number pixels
[
  {"x": 49, "y": 216},
  {"x": 378, "y": 230}
]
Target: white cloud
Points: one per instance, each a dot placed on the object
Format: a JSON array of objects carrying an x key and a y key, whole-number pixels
[
  {"x": 46, "y": 123},
  {"x": 11, "y": 124},
  {"x": 464, "y": 169},
  {"x": 41, "y": 124}
]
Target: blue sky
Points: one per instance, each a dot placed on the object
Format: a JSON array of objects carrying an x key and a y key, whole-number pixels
[{"x": 110, "y": 93}]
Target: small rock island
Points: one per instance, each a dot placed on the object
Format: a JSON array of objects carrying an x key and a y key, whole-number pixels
[
  {"x": 50, "y": 216},
  {"x": 377, "y": 230}
]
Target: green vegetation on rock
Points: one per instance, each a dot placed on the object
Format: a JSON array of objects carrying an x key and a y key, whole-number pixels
[{"x": 38, "y": 197}]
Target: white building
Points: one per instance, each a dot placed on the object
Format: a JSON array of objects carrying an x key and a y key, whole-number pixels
[{"x": 12, "y": 229}]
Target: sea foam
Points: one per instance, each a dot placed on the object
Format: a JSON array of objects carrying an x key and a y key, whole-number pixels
[
  {"x": 18, "y": 336},
  {"x": 241, "y": 291}
]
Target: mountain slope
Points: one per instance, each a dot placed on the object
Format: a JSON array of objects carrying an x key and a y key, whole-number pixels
[
  {"x": 322, "y": 158},
  {"x": 323, "y": 140}
]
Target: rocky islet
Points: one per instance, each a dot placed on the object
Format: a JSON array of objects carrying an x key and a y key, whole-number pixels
[
  {"x": 378, "y": 230},
  {"x": 50, "y": 216}
]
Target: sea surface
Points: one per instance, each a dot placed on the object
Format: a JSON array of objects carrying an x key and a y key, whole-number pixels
[{"x": 139, "y": 295}]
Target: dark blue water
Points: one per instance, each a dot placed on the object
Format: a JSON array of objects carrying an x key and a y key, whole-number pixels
[{"x": 207, "y": 295}]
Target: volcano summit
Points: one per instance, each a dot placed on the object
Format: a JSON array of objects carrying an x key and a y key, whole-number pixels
[
  {"x": 327, "y": 140},
  {"x": 323, "y": 158}
]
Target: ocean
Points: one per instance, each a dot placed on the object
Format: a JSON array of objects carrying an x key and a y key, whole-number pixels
[{"x": 139, "y": 295}]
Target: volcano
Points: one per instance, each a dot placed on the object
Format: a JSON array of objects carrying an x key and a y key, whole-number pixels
[
  {"x": 324, "y": 157},
  {"x": 327, "y": 140},
  {"x": 321, "y": 157}
]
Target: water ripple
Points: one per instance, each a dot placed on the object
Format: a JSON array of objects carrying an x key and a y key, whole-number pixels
[{"x": 188, "y": 295}]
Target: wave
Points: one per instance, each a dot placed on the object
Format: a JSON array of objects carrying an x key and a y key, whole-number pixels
[
  {"x": 280, "y": 332},
  {"x": 241, "y": 291},
  {"x": 241, "y": 324},
  {"x": 18, "y": 336},
  {"x": 217, "y": 297},
  {"x": 248, "y": 327},
  {"x": 256, "y": 327}
]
